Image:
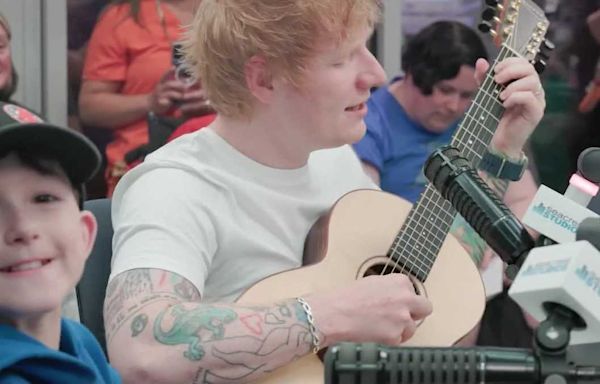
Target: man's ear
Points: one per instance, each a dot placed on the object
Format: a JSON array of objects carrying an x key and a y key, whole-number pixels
[
  {"x": 259, "y": 78},
  {"x": 89, "y": 229}
]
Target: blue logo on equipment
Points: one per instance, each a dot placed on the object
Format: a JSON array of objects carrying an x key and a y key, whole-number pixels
[
  {"x": 551, "y": 214},
  {"x": 545, "y": 267},
  {"x": 589, "y": 278}
]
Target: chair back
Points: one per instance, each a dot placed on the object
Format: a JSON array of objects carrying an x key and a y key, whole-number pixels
[{"x": 92, "y": 286}]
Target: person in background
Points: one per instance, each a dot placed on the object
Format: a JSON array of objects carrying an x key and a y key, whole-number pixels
[
  {"x": 81, "y": 18},
  {"x": 233, "y": 203},
  {"x": 587, "y": 50},
  {"x": 8, "y": 75},
  {"x": 420, "y": 111},
  {"x": 45, "y": 238},
  {"x": 128, "y": 73}
]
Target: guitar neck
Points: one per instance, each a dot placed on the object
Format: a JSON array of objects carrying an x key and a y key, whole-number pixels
[
  {"x": 417, "y": 245},
  {"x": 481, "y": 119}
]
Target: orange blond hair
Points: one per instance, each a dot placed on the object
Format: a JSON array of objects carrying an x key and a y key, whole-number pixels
[{"x": 225, "y": 34}]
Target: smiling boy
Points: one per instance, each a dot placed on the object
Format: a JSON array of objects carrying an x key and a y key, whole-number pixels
[{"x": 45, "y": 238}]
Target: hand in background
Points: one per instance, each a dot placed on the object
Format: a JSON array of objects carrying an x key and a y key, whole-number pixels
[
  {"x": 166, "y": 94},
  {"x": 194, "y": 102}
]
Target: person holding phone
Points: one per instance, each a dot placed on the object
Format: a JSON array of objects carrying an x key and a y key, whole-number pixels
[
  {"x": 129, "y": 74},
  {"x": 8, "y": 74}
]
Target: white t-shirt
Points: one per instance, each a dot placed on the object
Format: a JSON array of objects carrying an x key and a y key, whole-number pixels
[{"x": 199, "y": 208}]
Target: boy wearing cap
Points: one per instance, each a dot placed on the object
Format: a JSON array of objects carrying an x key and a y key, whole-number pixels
[{"x": 45, "y": 239}]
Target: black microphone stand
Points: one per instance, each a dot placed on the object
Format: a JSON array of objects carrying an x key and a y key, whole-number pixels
[{"x": 551, "y": 339}]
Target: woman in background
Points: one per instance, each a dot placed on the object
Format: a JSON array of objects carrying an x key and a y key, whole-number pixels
[
  {"x": 128, "y": 73},
  {"x": 8, "y": 75}
]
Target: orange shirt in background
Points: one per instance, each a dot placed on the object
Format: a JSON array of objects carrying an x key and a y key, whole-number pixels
[
  {"x": 192, "y": 125},
  {"x": 135, "y": 54}
]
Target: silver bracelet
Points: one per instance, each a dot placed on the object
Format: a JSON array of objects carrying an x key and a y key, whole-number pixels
[{"x": 316, "y": 340}]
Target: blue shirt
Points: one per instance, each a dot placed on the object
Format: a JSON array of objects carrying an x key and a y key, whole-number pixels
[
  {"x": 397, "y": 146},
  {"x": 79, "y": 359}
]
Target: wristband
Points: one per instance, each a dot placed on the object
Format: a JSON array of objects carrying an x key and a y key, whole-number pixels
[
  {"x": 501, "y": 166},
  {"x": 316, "y": 340}
]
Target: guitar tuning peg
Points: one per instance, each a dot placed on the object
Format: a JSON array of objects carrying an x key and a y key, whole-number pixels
[
  {"x": 546, "y": 49},
  {"x": 543, "y": 54},
  {"x": 539, "y": 65},
  {"x": 495, "y": 4},
  {"x": 488, "y": 14},
  {"x": 485, "y": 26},
  {"x": 548, "y": 46}
]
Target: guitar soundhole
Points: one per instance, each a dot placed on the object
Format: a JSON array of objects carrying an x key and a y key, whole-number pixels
[{"x": 375, "y": 267}]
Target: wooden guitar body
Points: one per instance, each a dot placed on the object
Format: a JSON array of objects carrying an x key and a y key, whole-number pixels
[{"x": 355, "y": 236}]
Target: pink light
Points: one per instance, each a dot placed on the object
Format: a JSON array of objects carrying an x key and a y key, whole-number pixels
[{"x": 584, "y": 185}]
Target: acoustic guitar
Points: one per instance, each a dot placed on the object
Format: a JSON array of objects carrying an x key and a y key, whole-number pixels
[{"x": 370, "y": 230}]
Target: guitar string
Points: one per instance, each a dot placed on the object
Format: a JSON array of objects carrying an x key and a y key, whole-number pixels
[
  {"x": 482, "y": 106},
  {"x": 465, "y": 129},
  {"x": 417, "y": 248},
  {"x": 484, "y": 111},
  {"x": 487, "y": 80}
]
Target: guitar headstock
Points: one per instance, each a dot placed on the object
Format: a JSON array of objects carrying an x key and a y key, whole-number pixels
[{"x": 520, "y": 25}]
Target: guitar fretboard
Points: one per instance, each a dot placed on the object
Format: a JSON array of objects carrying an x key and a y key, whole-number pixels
[{"x": 420, "y": 239}]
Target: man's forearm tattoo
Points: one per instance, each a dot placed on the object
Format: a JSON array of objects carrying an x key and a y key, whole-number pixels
[
  {"x": 191, "y": 326},
  {"x": 497, "y": 185},
  {"x": 466, "y": 235},
  {"x": 229, "y": 343},
  {"x": 133, "y": 290},
  {"x": 138, "y": 324},
  {"x": 468, "y": 238},
  {"x": 242, "y": 356}
]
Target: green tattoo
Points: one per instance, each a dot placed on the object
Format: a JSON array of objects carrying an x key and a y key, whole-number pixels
[
  {"x": 300, "y": 313},
  {"x": 188, "y": 324},
  {"x": 469, "y": 239},
  {"x": 138, "y": 324}
]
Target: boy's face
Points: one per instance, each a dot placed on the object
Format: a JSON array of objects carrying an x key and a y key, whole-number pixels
[
  {"x": 44, "y": 240},
  {"x": 330, "y": 102}
]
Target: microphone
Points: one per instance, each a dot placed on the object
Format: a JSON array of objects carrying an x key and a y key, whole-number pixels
[
  {"x": 564, "y": 275},
  {"x": 452, "y": 175},
  {"x": 354, "y": 363},
  {"x": 551, "y": 282},
  {"x": 588, "y": 164},
  {"x": 589, "y": 229},
  {"x": 557, "y": 216}
]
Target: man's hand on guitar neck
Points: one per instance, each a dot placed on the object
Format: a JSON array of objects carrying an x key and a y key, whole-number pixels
[
  {"x": 383, "y": 309},
  {"x": 523, "y": 99}
]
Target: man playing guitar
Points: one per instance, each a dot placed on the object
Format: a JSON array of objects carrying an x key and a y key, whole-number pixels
[{"x": 213, "y": 212}]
